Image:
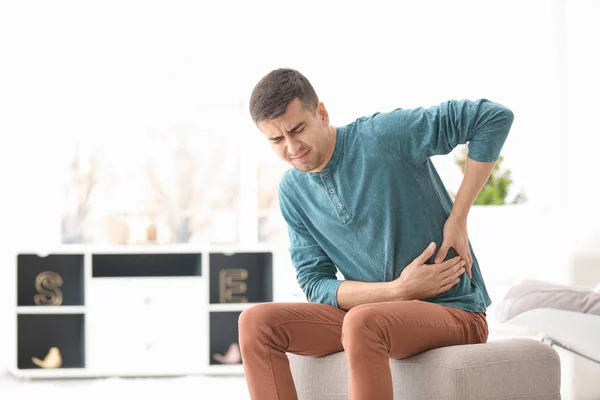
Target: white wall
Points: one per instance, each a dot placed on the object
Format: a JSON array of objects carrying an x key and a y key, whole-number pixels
[
  {"x": 110, "y": 72},
  {"x": 583, "y": 133}
]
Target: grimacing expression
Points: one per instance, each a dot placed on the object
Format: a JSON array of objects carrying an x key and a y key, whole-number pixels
[{"x": 300, "y": 137}]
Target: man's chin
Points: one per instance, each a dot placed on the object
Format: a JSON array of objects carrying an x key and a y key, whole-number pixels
[{"x": 302, "y": 167}]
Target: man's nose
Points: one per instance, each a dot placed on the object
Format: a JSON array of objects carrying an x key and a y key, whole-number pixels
[{"x": 293, "y": 147}]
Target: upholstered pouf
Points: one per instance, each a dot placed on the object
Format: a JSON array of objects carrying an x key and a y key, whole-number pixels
[{"x": 523, "y": 369}]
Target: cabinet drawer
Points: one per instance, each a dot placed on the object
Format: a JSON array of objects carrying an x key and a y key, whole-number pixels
[
  {"x": 146, "y": 342},
  {"x": 146, "y": 293}
]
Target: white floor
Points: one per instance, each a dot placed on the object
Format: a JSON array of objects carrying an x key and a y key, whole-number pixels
[
  {"x": 212, "y": 387},
  {"x": 202, "y": 387},
  {"x": 175, "y": 388}
]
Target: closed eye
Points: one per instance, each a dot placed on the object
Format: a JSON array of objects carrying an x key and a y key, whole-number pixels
[{"x": 293, "y": 132}]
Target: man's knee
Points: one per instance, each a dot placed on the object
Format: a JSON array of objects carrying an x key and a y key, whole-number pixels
[
  {"x": 361, "y": 322},
  {"x": 257, "y": 320}
]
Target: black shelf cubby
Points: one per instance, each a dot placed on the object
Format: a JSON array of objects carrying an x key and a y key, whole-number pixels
[
  {"x": 146, "y": 265},
  {"x": 223, "y": 339},
  {"x": 38, "y": 333},
  {"x": 241, "y": 278},
  {"x": 52, "y": 280}
]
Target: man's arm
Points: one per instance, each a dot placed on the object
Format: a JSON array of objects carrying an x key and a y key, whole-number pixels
[
  {"x": 476, "y": 175},
  {"x": 414, "y": 135},
  {"x": 315, "y": 272},
  {"x": 352, "y": 293},
  {"x": 418, "y": 281},
  {"x": 455, "y": 228}
]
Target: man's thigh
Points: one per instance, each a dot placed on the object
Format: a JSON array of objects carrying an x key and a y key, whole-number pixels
[
  {"x": 411, "y": 327},
  {"x": 301, "y": 328}
]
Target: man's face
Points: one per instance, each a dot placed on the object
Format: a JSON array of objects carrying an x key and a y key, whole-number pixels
[{"x": 300, "y": 137}]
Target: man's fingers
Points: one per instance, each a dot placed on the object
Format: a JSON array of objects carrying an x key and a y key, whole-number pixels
[
  {"x": 469, "y": 269},
  {"x": 441, "y": 255},
  {"x": 451, "y": 280},
  {"x": 427, "y": 253},
  {"x": 470, "y": 266},
  {"x": 448, "y": 286},
  {"x": 456, "y": 270},
  {"x": 454, "y": 278},
  {"x": 465, "y": 254},
  {"x": 449, "y": 263}
]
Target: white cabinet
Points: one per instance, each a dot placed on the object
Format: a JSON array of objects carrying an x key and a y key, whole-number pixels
[
  {"x": 160, "y": 323},
  {"x": 135, "y": 311},
  {"x": 146, "y": 293}
]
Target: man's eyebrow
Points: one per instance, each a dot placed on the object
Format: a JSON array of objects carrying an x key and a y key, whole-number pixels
[{"x": 295, "y": 128}]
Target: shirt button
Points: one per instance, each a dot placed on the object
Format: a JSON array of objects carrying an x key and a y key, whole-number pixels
[
  {"x": 326, "y": 178},
  {"x": 339, "y": 205},
  {"x": 331, "y": 191}
]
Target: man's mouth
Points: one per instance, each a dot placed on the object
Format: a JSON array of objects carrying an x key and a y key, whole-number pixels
[{"x": 301, "y": 157}]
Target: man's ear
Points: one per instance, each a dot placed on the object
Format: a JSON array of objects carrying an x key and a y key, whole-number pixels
[{"x": 323, "y": 114}]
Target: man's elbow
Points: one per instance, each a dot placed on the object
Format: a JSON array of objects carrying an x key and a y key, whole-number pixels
[
  {"x": 504, "y": 115},
  {"x": 509, "y": 116},
  {"x": 316, "y": 291}
]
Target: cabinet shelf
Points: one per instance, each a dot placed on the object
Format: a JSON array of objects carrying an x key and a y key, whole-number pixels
[
  {"x": 230, "y": 307},
  {"x": 37, "y": 334},
  {"x": 55, "y": 279},
  {"x": 224, "y": 369},
  {"x": 224, "y": 345},
  {"x": 50, "y": 310},
  {"x": 241, "y": 278},
  {"x": 146, "y": 265},
  {"x": 52, "y": 373}
]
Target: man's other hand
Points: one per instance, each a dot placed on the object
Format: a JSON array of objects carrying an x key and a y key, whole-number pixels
[{"x": 456, "y": 236}]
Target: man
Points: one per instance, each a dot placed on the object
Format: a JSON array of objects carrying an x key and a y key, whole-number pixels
[{"x": 365, "y": 199}]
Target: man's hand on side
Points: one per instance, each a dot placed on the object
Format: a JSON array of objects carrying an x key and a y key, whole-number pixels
[
  {"x": 421, "y": 281},
  {"x": 456, "y": 236}
]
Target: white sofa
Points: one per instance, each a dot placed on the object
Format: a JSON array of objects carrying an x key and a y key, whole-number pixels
[
  {"x": 523, "y": 369},
  {"x": 567, "y": 316}
]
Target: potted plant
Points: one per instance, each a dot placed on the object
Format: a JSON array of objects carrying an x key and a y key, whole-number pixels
[{"x": 496, "y": 189}]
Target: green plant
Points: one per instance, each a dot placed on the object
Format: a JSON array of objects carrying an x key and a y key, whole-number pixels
[{"x": 496, "y": 188}]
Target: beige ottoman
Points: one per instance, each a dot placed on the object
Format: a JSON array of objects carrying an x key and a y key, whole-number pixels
[{"x": 523, "y": 369}]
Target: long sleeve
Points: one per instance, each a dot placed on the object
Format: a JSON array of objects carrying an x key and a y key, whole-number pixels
[
  {"x": 315, "y": 272},
  {"x": 414, "y": 135}
]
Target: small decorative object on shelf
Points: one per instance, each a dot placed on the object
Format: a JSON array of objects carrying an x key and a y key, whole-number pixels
[
  {"x": 56, "y": 279},
  {"x": 224, "y": 346},
  {"x": 49, "y": 339},
  {"x": 232, "y": 285},
  {"x": 241, "y": 277},
  {"x": 48, "y": 285},
  {"x": 52, "y": 360},
  {"x": 232, "y": 356},
  {"x": 155, "y": 310}
]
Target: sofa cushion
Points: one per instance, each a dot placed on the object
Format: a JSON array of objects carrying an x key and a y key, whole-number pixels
[
  {"x": 532, "y": 294},
  {"x": 520, "y": 368}
]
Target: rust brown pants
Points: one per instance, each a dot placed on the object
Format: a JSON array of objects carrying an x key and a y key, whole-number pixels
[{"x": 370, "y": 335}]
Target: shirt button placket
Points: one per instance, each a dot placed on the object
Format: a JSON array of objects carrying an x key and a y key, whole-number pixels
[{"x": 334, "y": 198}]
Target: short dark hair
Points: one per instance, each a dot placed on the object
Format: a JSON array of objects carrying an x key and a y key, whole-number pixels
[{"x": 276, "y": 90}]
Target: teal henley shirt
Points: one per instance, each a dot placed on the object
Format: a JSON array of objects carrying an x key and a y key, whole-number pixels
[{"x": 379, "y": 201}]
